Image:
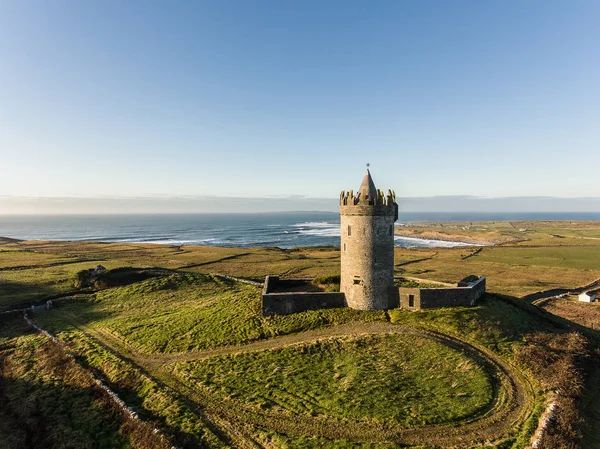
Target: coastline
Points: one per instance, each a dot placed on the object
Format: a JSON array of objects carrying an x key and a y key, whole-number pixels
[
  {"x": 429, "y": 243},
  {"x": 290, "y": 231},
  {"x": 466, "y": 241},
  {"x": 452, "y": 243}
]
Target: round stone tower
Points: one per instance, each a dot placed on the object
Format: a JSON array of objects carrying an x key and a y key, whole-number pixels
[{"x": 367, "y": 247}]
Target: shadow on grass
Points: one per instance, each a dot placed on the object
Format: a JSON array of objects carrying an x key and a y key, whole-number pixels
[
  {"x": 11, "y": 326},
  {"x": 556, "y": 323},
  {"x": 15, "y": 295},
  {"x": 49, "y": 401},
  {"x": 36, "y": 415},
  {"x": 568, "y": 362},
  {"x": 61, "y": 412},
  {"x": 122, "y": 276}
]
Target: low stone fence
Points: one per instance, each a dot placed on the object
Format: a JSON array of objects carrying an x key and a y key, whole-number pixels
[
  {"x": 231, "y": 278},
  {"x": 121, "y": 405},
  {"x": 13, "y": 312},
  {"x": 285, "y": 303},
  {"x": 546, "y": 420},
  {"x": 428, "y": 298}
]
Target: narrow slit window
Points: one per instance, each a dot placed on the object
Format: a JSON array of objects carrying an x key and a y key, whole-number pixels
[
  {"x": 411, "y": 300},
  {"x": 349, "y": 230},
  {"x": 391, "y": 229},
  {"x": 344, "y": 247}
]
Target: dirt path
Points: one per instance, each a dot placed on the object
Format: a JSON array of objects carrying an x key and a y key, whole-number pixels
[
  {"x": 538, "y": 297},
  {"x": 510, "y": 406}
]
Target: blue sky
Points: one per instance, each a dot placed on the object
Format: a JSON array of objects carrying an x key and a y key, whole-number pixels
[{"x": 263, "y": 98}]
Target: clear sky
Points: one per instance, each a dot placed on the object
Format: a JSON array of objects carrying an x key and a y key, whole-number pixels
[{"x": 261, "y": 98}]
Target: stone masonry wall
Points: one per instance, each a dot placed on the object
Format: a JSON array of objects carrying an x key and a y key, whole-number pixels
[
  {"x": 428, "y": 298},
  {"x": 282, "y": 303},
  {"x": 286, "y": 303},
  {"x": 367, "y": 256}
]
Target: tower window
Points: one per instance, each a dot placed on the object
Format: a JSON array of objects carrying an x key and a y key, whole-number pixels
[
  {"x": 356, "y": 281},
  {"x": 349, "y": 230},
  {"x": 411, "y": 300},
  {"x": 391, "y": 229},
  {"x": 344, "y": 247}
]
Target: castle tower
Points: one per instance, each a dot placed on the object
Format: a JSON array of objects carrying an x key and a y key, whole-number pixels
[{"x": 367, "y": 247}]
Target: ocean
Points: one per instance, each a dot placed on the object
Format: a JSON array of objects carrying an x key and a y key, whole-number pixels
[{"x": 284, "y": 230}]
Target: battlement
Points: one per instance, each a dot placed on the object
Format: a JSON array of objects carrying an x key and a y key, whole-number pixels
[{"x": 348, "y": 198}]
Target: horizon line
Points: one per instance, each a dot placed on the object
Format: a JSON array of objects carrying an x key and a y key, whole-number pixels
[
  {"x": 484, "y": 212},
  {"x": 271, "y": 197}
]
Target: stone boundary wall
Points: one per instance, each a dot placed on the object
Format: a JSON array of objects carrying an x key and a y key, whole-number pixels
[
  {"x": 282, "y": 303},
  {"x": 429, "y": 298},
  {"x": 13, "y": 311},
  {"x": 285, "y": 303},
  {"x": 546, "y": 420},
  {"x": 121, "y": 405},
  {"x": 232, "y": 278}
]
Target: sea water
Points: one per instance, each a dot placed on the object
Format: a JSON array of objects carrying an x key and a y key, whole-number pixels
[{"x": 284, "y": 230}]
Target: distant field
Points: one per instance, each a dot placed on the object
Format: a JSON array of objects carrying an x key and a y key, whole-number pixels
[{"x": 548, "y": 233}]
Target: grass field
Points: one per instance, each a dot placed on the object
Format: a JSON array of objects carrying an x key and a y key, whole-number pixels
[
  {"x": 191, "y": 312},
  {"x": 407, "y": 378},
  {"x": 50, "y": 401},
  {"x": 35, "y": 395},
  {"x": 191, "y": 352}
]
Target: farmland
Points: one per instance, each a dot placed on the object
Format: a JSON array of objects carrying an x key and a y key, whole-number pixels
[{"x": 189, "y": 351}]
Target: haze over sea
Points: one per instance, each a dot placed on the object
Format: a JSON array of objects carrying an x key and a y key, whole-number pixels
[{"x": 284, "y": 230}]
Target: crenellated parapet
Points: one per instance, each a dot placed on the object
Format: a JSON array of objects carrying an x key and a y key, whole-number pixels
[{"x": 348, "y": 198}]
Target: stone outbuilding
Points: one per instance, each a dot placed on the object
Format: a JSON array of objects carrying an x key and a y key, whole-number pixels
[{"x": 98, "y": 270}]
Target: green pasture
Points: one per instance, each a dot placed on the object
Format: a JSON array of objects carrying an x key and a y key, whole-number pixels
[
  {"x": 406, "y": 378},
  {"x": 184, "y": 312}
]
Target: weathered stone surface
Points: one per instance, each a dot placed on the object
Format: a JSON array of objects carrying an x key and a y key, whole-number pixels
[
  {"x": 279, "y": 303},
  {"x": 428, "y": 298},
  {"x": 367, "y": 248}
]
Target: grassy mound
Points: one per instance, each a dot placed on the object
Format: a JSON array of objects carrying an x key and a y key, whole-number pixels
[
  {"x": 183, "y": 312},
  {"x": 407, "y": 378}
]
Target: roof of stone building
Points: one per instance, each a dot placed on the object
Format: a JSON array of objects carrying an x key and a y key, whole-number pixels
[{"x": 367, "y": 186}]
